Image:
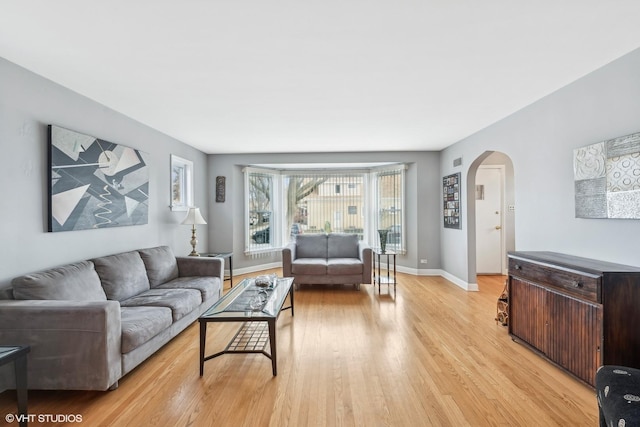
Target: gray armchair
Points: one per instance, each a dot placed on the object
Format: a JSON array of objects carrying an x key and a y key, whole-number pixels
[{"x": 327, "y": 259}]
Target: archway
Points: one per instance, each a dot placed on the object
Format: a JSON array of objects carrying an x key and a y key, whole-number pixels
[{"x": 508, "y": 207}]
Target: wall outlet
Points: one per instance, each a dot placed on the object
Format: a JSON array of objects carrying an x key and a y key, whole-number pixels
[{"x": 423, "y": 261}]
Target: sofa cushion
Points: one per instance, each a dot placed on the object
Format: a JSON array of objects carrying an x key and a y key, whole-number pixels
[
  {"x": 160, "y": 263},
  {"x": 140, "y": 324},
  {"x": 122, "y": 275},
  {"x": 309, "y": 266},
  {"x": 311, "y": 246},
  {"x": 342, "y": 246},
  {"x": 77, "y": 282},
  {"x": 180, "y": 301},
  {"x": 344, "y": 266},
  {"x": 209, "y": 287}
]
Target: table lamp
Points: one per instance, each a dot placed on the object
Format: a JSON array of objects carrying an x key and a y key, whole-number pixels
[{"x": 193, "y": 217}]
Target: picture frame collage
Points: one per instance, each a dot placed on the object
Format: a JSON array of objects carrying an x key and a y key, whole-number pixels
[{"x": 451, "y": 201}]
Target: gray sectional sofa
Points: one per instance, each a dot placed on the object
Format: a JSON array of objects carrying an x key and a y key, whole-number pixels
[
  {"x": 327, "y": 259},
  {"x": 89, "y": 323}
]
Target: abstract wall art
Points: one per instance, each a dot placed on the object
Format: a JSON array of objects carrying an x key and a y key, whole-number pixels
[
  {"x": 95, "y": 183},
  {"x": 607, "y": 178}
]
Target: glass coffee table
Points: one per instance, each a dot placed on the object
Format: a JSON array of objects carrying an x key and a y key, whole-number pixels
[{"x": 258, "y": 308}]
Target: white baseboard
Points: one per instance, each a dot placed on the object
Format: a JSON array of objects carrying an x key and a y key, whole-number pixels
[
  {"x": 413, "y": 271},
  {"x": 459, "y": 282},
  {"x": 254, "y": 268}
]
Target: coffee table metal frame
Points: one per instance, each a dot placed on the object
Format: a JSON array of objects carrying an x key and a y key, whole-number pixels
[
  {"x": 18, "y": 355},
  {"x": 250, "y": 338}
]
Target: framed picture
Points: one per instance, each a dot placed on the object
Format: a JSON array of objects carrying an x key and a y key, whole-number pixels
[
  {"x": 95, "y": 183},
  {"x": 451, "y": 201},
  {"x": 181, "y": 183},
  {"x": 220, "y": 189}
]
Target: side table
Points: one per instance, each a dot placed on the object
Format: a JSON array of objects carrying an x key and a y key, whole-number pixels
[
  {"x": 18, "y": 355},
  {"x": 379, "y": 278},
  {"x": 229, "y": 256}
]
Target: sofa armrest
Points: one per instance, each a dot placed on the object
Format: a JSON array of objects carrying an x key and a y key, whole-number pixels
[
  {"x": 75, "y": 345},
  {"x": 366, "y": 256},
  {"x": 201, "y": 266},
  {"x": 288, "y": 255}
]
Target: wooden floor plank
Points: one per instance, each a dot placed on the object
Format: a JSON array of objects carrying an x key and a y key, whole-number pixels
[{"x": 431, "y": 355}]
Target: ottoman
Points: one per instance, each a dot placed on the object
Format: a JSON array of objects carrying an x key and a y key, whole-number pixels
[{"x": 618, "y": 394}]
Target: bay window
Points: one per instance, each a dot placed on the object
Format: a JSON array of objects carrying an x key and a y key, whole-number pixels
[{"x": 280, "y": 204}]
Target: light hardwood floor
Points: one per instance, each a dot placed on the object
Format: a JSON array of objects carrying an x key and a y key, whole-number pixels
[{"x": 431, "y": 356}]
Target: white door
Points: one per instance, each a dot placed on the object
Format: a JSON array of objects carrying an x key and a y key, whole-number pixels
[{"x": 489, "y": 205}]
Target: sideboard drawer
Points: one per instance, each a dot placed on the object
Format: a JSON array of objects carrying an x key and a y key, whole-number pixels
[{"x": 575, "y": 283}]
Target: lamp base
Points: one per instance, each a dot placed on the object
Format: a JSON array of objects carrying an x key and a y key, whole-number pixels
[{"x": 194, "y": 242}]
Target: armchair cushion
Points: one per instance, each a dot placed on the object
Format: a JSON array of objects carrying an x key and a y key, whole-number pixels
[
  {"x": 309, "y": 266},
  {"x": 343, "y": 266},
  {"x": 343, "y": 246},
  {"x": 311, "y": 246}
]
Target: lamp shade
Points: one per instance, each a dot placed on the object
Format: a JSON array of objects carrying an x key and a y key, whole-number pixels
[{"x": 193, "y": 217}]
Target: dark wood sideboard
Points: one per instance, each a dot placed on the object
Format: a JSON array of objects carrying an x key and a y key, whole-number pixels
[{"x": 579, "y": 313}]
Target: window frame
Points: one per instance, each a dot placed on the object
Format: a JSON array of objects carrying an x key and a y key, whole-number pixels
[
  {"x": 181, "y": 175},
  {"x": 375, "y": 213},
  {"x": 279, "y": 233}
]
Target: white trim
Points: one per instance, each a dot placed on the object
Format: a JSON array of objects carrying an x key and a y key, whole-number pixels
[
  {"x": 471, "y": 287},
  {"x": 459, "y": 282},
  {"x": 256, "y": 268},
  {"x": 186, "y": 186}
]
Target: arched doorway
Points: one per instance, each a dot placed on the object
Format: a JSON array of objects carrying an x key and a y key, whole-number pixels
[{"x": 486, "y": 224}]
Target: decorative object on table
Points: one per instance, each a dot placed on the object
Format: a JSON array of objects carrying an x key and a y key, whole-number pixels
[
  {"x": 95, "y": 183},
  {"x": 383, "y": 239},
  {"x": 502, "y": 308},
  {"x": 451, "y": 199},
  {"x": 607, "y": 178},
  {"x": 266, "y": 281},
  {"x": 181, "y": 183},
  {"x": 193, "y": 217},
  {"x": 263, "y": 281},
  {"x": 220, "y": 189}
]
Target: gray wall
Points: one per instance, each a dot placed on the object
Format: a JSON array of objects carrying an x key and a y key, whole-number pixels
[
  {"x": 540, "y": 140},
  {"x": 226, "y": 233},
  {"x": 28, "y": 103}
]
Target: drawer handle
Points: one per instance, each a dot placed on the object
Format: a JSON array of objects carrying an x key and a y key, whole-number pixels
[
  {"x": 518, "y": 267},
  {"x": 576, "y": 284}
]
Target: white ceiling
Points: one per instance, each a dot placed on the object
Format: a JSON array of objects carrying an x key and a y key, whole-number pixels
[{"x": 238, "y": 76}]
